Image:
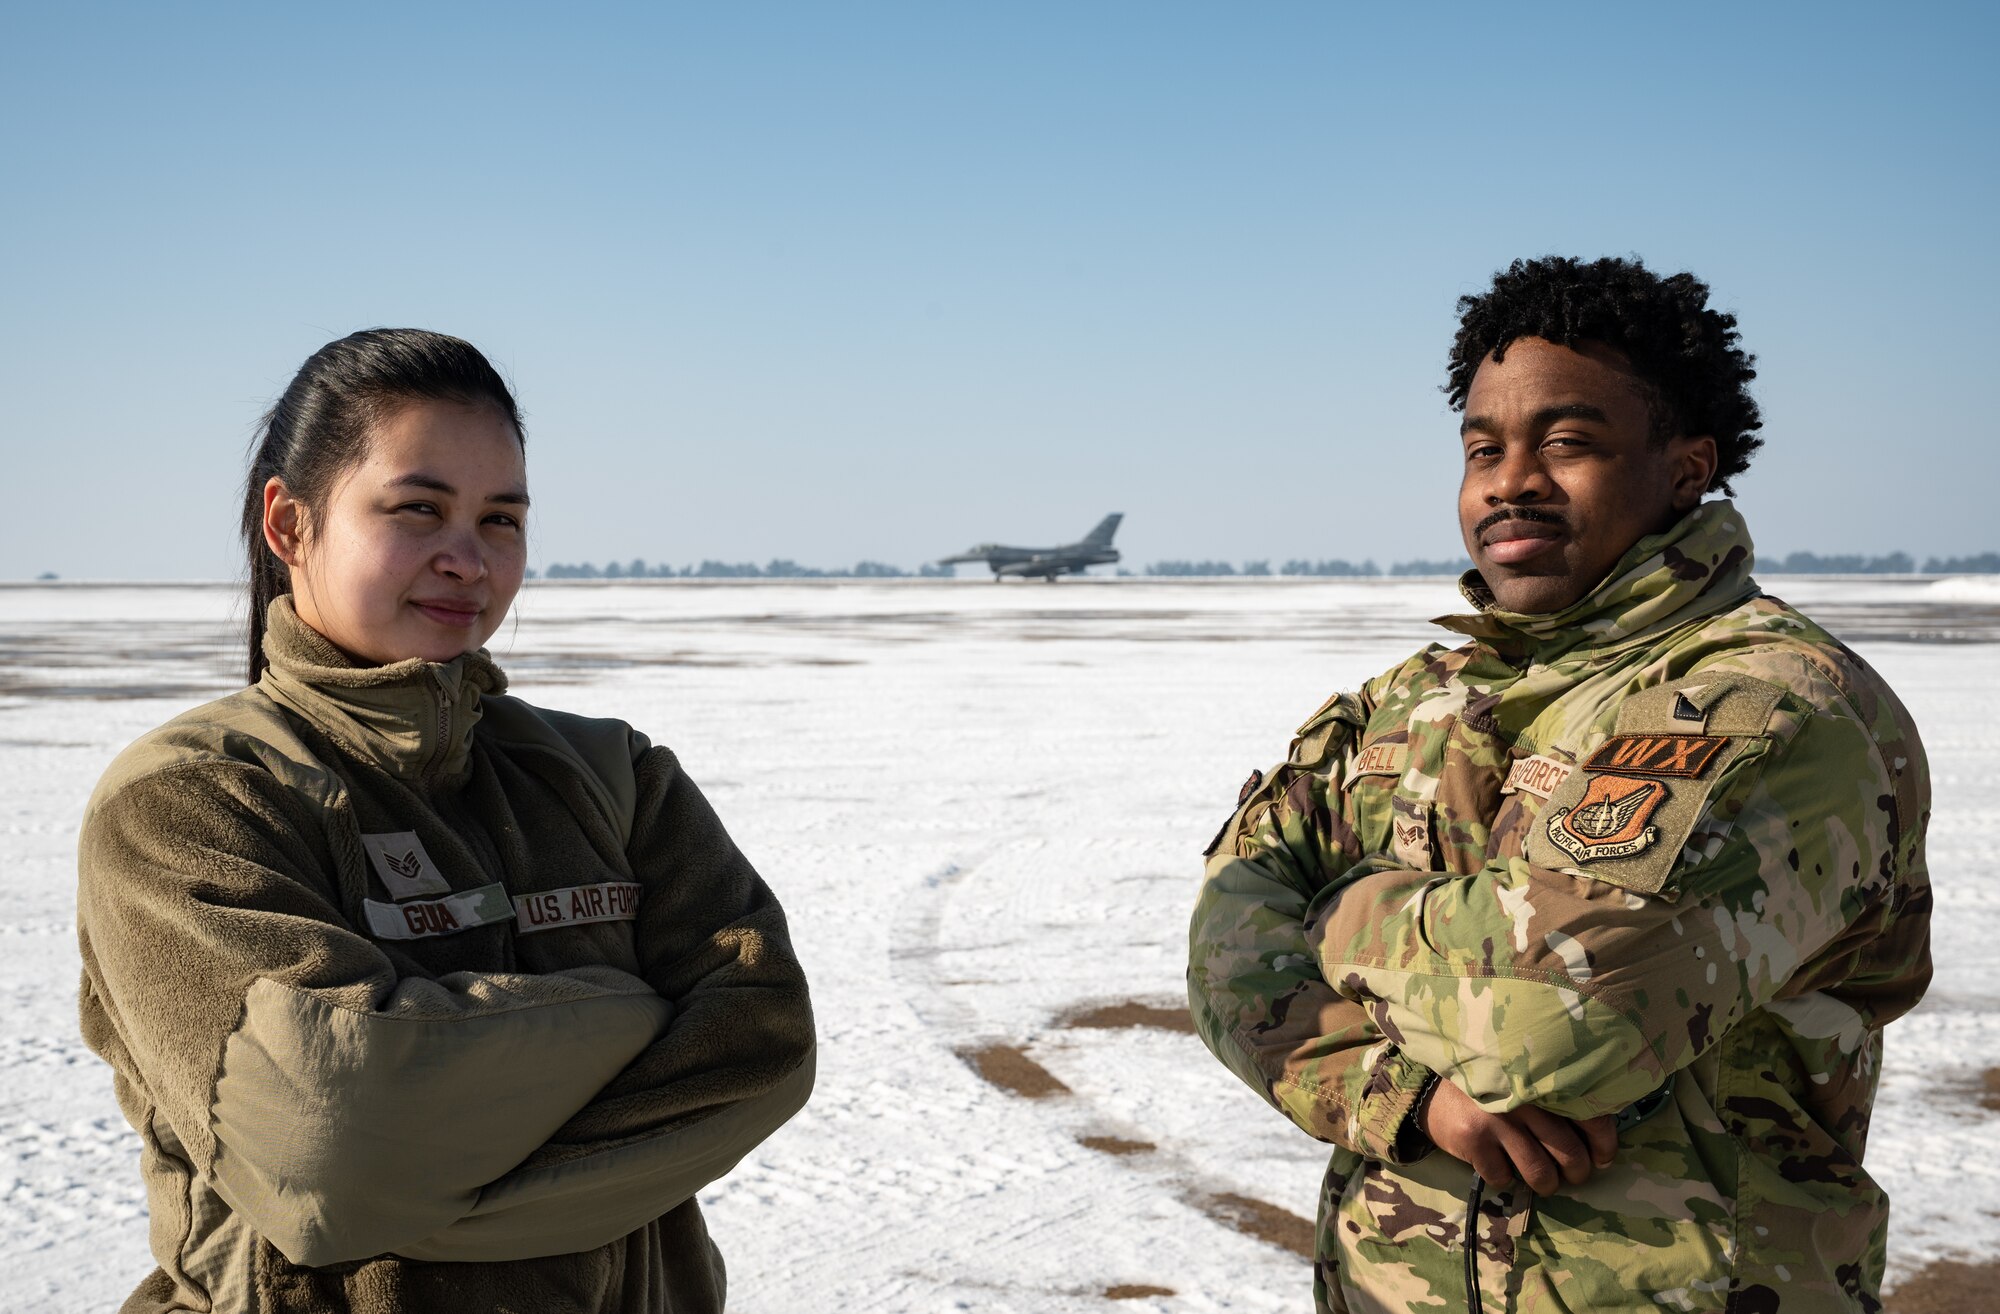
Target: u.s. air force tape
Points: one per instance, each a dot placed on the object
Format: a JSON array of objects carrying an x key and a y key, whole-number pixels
[{"x": 579, "y": 905}]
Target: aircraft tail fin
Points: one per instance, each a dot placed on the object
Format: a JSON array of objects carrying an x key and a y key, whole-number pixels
[{"x": 1101, "y": 536}]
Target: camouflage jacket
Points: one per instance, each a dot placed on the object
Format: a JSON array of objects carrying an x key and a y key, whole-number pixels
[{"x": 1669, "y": 839}]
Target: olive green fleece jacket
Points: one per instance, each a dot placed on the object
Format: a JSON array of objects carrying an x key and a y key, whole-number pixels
[{"x": 422, "y": 998}]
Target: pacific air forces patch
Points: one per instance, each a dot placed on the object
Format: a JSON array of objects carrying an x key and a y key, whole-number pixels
[
  {"x": 1609, "y": 821},
  {"x": 1624, "y": 815}
]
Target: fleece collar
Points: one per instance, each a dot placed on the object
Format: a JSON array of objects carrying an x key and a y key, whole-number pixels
[
  {"x": 413, "y": 719},
  {"x": 1700, "y": 566}
]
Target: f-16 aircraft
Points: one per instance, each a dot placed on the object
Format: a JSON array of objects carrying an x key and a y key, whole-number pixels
[{"x": 1047, "y": 563}]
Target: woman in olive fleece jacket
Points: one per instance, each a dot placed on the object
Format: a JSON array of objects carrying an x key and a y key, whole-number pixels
[{"x": 422, "y": 998}]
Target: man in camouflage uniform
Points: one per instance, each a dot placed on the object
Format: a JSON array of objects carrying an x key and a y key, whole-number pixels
[{"x": 1577, "y": 940}]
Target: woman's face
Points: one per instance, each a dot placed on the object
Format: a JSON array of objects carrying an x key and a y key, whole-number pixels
[{"x": 422, "y": 544}]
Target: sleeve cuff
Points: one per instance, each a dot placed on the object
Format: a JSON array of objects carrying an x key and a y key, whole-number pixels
[{"x": 1387, "y": 1117}]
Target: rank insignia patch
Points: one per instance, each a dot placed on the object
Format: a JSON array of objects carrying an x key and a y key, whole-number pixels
[
  {"x": 1609, "y": 821},
  {"x": 406, "y": 870},
  {"x": 1410, "y": 833},
  {"x": 1686, "y": 756}
]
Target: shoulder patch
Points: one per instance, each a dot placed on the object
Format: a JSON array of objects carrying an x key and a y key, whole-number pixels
[
  {"x": 1314, "y": 742},
  {"x": 1657, "y": 755},
  {"x": 1625, "y": 815},
  {"x": 1610, "y": 820},
  {"x": 1701, "y": 706}
]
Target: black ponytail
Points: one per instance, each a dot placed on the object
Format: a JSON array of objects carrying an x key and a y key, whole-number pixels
[{"x": 320, "y": 427}]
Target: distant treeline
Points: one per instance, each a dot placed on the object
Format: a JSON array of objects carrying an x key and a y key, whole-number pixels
[
  {"x": 782, "y": 568},
  {"x": 1796, "y": 563},
  {"x": 1896, "y": 563}
]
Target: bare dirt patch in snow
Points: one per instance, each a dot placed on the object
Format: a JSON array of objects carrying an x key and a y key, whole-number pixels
[
  {"x": 1990, "y": 1097},
  {"x": 1117, "y": 1145},
  {"x": 1010, "y": 1068},
  {"x": 1280, "y": 1227},
  {"x": 1131, "y": 1013},
  {"x": 1948, "y": 1287},
  {"x": 1135, "y": 1291}
]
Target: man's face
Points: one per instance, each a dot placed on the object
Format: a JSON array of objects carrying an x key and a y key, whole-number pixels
[{"x": 1561, "y": 472}]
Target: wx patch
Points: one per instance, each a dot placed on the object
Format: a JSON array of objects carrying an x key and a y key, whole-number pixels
[
  {"x": 1610, "y": 820},
  {"x": 1686, "y": 756}
]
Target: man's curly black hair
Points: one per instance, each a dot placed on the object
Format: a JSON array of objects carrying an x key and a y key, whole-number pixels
[{"x": 1696, "y": 375}]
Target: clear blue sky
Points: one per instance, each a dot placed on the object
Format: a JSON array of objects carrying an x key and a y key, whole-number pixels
[{"x": 834, "y": 281}]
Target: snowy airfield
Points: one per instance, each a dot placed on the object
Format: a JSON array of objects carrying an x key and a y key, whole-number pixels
[{"x": 983, "y": 808}]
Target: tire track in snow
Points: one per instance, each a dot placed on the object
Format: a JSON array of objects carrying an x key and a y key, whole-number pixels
[
  {"x": 1158, "y": 1173},
  {"x": 916, "y": 944}
]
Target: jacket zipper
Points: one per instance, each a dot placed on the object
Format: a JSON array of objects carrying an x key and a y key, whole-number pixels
[{"x": 444, "y": 702}]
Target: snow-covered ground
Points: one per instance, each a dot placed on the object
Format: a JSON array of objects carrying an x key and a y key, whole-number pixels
[{"x": 983, "y": 807}]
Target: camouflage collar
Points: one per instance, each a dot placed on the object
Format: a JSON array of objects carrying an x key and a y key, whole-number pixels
[
  {"x": 413, "y": 718},
  {"x": 1699, "y": 566}
]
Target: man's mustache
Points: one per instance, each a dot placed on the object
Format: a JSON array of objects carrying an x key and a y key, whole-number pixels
[{"x": 1528, "y": 513}]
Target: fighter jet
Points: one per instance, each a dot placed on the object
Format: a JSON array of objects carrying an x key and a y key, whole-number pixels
[{"x": 1028, "y": 563}]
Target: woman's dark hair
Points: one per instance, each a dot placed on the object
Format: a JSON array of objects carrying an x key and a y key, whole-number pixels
[
  {"x": 1696, "y": 376},
  {"x": 321, "y": 426}
]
